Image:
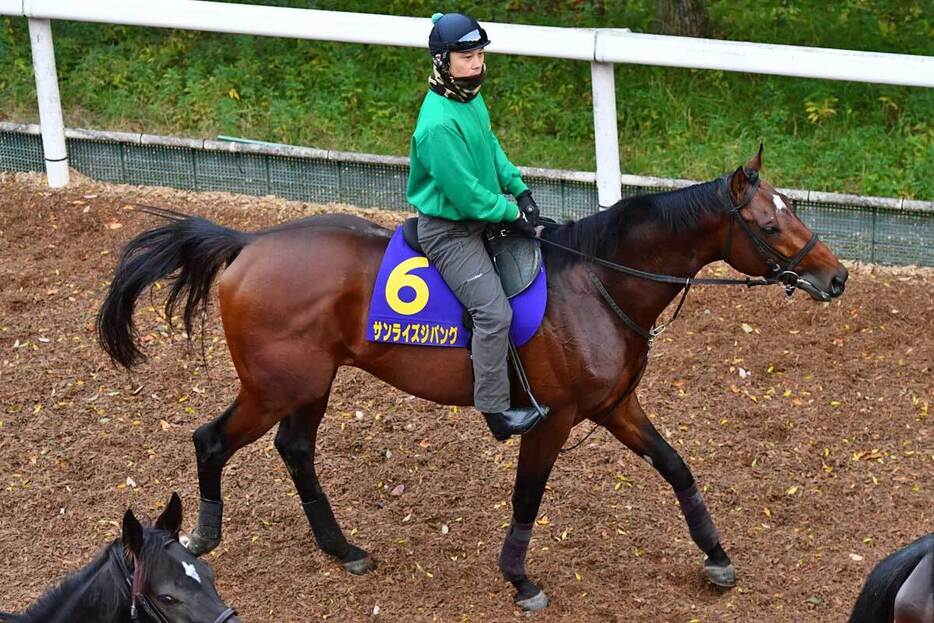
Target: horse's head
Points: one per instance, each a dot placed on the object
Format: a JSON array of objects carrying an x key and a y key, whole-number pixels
[
  {"x": 168, "y": 582},
  {"x": 765, "y": 237}
]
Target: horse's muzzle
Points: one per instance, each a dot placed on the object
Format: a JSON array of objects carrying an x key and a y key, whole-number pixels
[
  {"x": 838, "y": 284},
  {"x": 824, "y": 289}
]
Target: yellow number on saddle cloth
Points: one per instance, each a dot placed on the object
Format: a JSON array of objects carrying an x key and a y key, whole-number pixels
[{"x": 400, "y": 278}]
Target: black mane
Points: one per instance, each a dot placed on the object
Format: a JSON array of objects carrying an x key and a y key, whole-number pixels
[
  {"x": 51, "y": 602},
  {"x": 109, "y": 595},
  {"x": 598, "y": 235}
]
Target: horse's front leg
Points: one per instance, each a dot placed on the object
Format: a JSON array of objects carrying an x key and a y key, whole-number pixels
[
  {"x": 629, "y": 424},
  {"x": 537, "y": 454}
]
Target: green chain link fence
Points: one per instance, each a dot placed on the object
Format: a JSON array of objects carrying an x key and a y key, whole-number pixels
[{"x": 879, "y": 230}]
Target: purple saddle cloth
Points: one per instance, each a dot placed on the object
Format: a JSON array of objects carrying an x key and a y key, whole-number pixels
[{"x": 412, "y": 304}]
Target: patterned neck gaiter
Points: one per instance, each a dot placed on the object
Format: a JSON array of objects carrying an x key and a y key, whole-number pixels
[{"x": 459, "y": 89}]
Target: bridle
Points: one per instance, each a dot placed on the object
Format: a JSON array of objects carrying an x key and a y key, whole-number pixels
[
  {"x": 773, "y": 258},
  {"x": 140, "y": 603},
  {"x": 782, "y": 267}
]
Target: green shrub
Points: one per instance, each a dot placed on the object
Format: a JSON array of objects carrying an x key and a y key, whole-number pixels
[{"x": 837, "y": 136}]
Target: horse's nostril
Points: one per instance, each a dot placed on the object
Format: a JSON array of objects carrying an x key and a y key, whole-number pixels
[{"x": 837, "y": 286}]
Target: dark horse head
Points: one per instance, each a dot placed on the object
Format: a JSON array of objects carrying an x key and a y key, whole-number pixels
[
  {"x": 765, "y": 237},
  {"x": 146, "y": 575}
]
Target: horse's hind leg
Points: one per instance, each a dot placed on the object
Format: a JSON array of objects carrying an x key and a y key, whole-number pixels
[
  {"x": 295, "y": 441},
  {"x": 537, "y": 454},
  {"x": 242, "y": 423},
  {"x": 630, "y": 425}
]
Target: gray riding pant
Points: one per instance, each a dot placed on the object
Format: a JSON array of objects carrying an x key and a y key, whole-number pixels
[{"x": 456, "y": 250}]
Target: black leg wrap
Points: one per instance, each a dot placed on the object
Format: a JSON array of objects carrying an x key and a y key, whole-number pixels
[
  {"x": 210, "y": 513},
  {"x": 515, "y": 547},
  {"x": 700, "y": 524},
  {"x": 324, "y": 526},
  {"x": 207, "y": 534}
]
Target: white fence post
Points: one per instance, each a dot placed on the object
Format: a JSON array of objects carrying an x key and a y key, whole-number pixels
[
  {"x": 609, "y": 179},
  {"x": 50, "y": 105}
]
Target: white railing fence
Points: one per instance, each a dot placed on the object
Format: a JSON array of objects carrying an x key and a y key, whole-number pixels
[{"x": 602, "y": 47}]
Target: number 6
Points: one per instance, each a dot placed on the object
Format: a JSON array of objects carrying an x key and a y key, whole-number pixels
[{"x": 400, "y": 278}]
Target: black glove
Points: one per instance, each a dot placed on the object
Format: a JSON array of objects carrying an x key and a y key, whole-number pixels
[
  {"x": 523, "y": 226},
  {"x": 528, "y": 207}
]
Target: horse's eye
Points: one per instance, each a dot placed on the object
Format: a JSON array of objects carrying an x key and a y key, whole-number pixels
[
  {"x": 770, "y": 230},
  {"x": 168, "y": 599}
]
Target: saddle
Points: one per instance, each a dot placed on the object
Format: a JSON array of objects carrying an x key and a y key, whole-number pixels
[
  {"x": 411, "y": 304},
  {"x": 517, "y": 258}
]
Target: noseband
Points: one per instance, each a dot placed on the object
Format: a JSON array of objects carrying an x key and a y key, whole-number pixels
[
  {"x": 139, "y": 600},
  {"x": 782, "y": 266}
]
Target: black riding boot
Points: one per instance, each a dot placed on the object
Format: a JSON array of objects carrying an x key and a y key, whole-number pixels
[{"x": 515, "y": 421}]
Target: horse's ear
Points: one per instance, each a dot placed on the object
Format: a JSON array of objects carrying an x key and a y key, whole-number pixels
[
  {"x": 738, "y": 184},
  {"x": 755, "y": 163},
  {"x": 132, "y": 534},
  {"x": 171, "y": 518}
]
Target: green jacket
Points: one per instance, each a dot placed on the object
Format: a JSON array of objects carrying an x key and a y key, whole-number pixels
[{"x": 457, "y": 169}]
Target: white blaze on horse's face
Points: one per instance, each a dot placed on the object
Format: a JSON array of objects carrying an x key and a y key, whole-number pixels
[
  {"x": 779, "y": 204},
  {"x": 191, "y": 572}
]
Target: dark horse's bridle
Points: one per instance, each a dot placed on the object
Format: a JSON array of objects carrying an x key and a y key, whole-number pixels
[
  {"x": 140, "y": 603},
  {"x": 781, "y": 266}
]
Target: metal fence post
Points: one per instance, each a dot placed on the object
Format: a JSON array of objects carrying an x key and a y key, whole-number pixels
[
  {"x": 606, "y": 139},
  {"x": 50, "y": 105}
]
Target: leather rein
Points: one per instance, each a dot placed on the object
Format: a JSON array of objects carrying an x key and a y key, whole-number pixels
[
  {"x": 781, "y": 266},
  {"x": 774, "y": 259},
  {"x": 139, "y": 600}
]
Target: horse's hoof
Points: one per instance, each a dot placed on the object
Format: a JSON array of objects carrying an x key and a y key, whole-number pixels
[
  {"x": 358, "y": 562},
  {"x": 359, "y": 567},
  {"x": 199, "y": 545},
  {"x": 538, "y": 601},
  {"x": 724, "y": 576}
]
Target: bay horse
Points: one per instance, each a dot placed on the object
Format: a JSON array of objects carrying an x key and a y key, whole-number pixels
[
  {"x": 294, "y": 300},
  {"x": 145, "y": 575},
  {"x": 900, "y": 589}
]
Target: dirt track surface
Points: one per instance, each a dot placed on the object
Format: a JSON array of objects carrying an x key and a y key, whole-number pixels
[{"x": 807, "y": 425}]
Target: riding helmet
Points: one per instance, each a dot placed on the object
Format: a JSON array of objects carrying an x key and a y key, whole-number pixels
[{"x": 455, "y": 32}]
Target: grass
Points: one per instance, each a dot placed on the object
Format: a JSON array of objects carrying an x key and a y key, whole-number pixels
[{"x": 835, "y": 136}]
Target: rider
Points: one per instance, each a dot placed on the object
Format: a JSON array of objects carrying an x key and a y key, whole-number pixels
[{"x": 457, "y": 180}]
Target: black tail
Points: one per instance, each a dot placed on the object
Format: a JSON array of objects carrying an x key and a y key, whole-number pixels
[
  {"x": 194, "y": 248},
  {"x": 876, "y": 602}
]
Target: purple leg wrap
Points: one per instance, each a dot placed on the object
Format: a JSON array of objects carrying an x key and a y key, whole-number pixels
[
  {"x": 512, "y": 557},
  {"x": 699, "y": 522}
]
